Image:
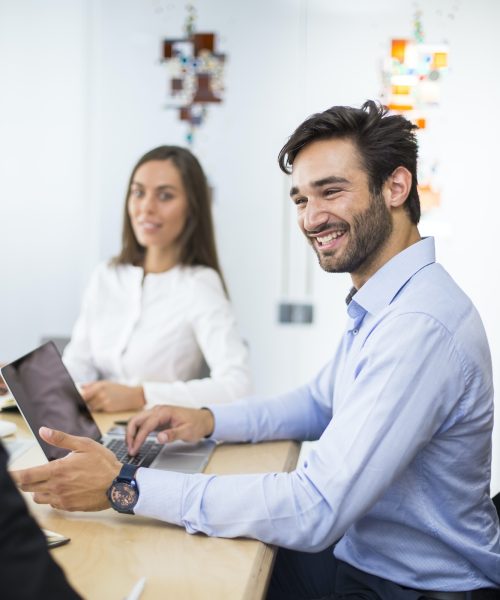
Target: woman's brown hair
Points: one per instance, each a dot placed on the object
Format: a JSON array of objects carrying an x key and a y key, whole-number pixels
[{"x": 197, "y": 241}]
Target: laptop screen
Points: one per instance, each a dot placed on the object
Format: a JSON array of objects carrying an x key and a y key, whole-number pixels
[{"x": 47, "y": 396}]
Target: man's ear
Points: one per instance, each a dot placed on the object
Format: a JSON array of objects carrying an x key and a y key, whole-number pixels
[{"x": 397, "y": 187}]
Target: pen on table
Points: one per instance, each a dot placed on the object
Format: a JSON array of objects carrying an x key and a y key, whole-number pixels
[{"x": 136, "y": 591}]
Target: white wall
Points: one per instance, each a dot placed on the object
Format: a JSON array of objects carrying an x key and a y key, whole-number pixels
[
  {"x": 82, "y": 96},
  {"x": 43, "y": 213}
]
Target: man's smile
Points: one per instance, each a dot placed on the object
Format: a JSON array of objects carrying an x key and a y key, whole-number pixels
[
  {"x": 326, "y": 240},
  {"x": 330, "y": 237}
]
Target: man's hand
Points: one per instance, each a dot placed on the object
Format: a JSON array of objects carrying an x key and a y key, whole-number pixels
[
  {"x": 173, "y": 423},
  {"x": 106, "y": 396},
  {"x": 76, "y": 482}
]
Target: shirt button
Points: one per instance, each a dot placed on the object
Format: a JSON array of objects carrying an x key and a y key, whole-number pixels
[{"x": 355, "y": 331}]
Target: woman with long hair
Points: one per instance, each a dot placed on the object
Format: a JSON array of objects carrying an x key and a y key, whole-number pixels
[{"x": 153, "y": 316}]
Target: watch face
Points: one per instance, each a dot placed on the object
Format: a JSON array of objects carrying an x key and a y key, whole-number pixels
[{"x": 123, "y": 495}]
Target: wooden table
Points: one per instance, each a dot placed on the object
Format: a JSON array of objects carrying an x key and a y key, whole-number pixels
[{"x": 109, "y": 552}]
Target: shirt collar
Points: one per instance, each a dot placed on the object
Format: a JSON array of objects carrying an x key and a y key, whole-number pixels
[
  {"x": 382, "y": 287},
  {"x": 350, "y": 295}
]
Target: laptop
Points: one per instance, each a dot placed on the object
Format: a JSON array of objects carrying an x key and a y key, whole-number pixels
[{"x": 46, "y": 395}]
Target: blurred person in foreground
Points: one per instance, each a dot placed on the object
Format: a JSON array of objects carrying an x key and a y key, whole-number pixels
[{"x": 27, "y": 570}]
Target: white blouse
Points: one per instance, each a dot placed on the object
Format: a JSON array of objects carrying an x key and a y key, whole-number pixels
[{"x": 156, "y": 331}]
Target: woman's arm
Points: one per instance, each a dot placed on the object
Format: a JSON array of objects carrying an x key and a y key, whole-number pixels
[{"x": 215, "y": 329}]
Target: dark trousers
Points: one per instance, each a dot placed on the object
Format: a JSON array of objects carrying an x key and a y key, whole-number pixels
[{"x": 303, "y": 576}]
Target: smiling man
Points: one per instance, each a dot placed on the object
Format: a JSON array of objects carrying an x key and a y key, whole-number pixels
[
  {"x": 347, "y": 220},
  {"x": 393, "y": 500}
]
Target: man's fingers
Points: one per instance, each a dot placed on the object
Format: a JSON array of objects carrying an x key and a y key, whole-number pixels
[
  {"x": 65, "y": 440},
  {"x": 142, "y": 430},
  {"x": 191, "y": 427},
  {"x": 138, "y": 429},
  {"x": 133, "y": 427},
  {"x": 183, "y": 432},
  {"x": 170, "y": 435},
  {"x": 163, "y": 437},
  {"x": 42, "y": 498},
  {"x": 140, "y": 426},
  {"x": 32, "y": 476},
  {"x": 139, "y": 439}
]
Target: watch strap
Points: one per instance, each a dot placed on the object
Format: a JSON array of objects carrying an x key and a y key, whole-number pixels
[{"x": 127, "y": 472}]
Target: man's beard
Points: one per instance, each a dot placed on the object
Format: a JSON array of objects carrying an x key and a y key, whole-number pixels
[{"x": 367, "y": 235}]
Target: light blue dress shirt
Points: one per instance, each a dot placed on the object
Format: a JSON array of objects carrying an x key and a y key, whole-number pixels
[{"x": 401, "y": 472}]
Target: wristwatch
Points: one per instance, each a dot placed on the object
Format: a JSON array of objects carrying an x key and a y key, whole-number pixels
[{"x": 123, "y": 493}]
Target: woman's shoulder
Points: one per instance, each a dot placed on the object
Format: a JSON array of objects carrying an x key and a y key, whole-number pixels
[
  {"x": 108, "y": 268},
  {"x": 202, "y": 279}
]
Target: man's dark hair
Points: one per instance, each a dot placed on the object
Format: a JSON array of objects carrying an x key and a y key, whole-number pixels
[{"x": 384, "y": 142}]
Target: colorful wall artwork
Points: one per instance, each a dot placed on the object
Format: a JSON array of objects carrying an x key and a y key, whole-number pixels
[
  {"x": 196, "y": 73},
  {"x": 412, "y": 79}
]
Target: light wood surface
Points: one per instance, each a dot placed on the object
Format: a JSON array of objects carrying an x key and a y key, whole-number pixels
[{"x": 109, "y": 552}]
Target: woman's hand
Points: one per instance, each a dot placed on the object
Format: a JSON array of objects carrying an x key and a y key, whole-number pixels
[
  {"x": 171, "y": 423},
  {"x": 106, "y": 396}
]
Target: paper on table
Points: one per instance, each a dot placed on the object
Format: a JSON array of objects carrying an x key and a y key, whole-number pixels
[
  {"x": 17, "y": 447},
  {"x": 55, "y": 539}
]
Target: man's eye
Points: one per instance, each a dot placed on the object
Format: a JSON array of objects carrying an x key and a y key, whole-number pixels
[
  {"x": 299, "y": 201},
  {"x": 331, "y": 191}
]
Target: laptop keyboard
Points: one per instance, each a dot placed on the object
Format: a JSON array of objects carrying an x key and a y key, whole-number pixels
[{"x": 145, "y": 456}]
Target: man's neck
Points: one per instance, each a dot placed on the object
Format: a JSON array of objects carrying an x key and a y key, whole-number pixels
[{"x": 397, "y": 242}]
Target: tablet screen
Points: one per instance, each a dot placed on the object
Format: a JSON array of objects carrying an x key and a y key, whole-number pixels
[{"x": 47, "y": 396}]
